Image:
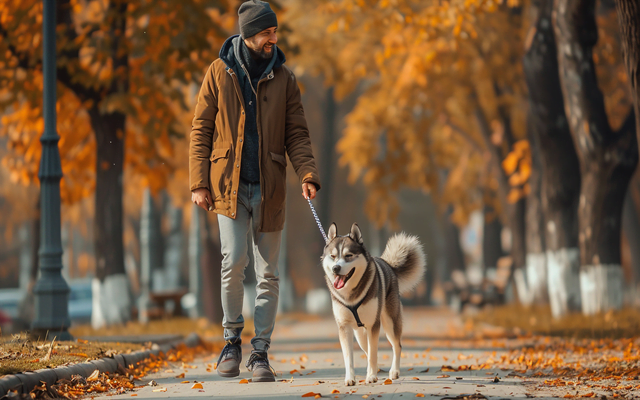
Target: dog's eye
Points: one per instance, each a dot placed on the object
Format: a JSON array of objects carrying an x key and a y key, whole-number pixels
[
  {"x": 348, "y": 256},
  {"x": 333, "y": 257}
]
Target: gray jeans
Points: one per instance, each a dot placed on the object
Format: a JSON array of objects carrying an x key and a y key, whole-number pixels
[{"x": 235, "y": 252}]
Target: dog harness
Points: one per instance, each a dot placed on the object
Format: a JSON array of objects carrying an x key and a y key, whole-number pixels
[{"x": 354, "y": 311}]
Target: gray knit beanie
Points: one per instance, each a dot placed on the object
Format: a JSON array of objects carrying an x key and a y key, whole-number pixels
[{"x": 254, "y": 16}]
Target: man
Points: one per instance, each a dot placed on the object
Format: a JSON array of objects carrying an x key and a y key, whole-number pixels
[{"x": 248, "y": 114}]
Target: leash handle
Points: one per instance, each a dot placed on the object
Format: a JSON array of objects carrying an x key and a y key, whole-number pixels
[{"x": 315, "y": 216}]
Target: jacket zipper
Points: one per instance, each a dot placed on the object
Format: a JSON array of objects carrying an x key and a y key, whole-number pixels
[{"x": 259, "y": 124}]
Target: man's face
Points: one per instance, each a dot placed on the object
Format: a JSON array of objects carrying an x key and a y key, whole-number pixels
[{"x": 261, "y": 44}]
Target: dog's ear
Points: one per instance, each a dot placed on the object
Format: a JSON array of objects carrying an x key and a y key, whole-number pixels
[
  {"x": 333, "y": 231},
  {"x": 356, "y": 234}
]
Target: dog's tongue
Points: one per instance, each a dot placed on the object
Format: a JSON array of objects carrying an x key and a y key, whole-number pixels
[{"x": 339, "y": 282}]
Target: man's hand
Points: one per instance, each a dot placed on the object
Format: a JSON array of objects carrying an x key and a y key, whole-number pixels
[
  {"x": 202, "y": 198},
  {"x": 308, "y": 190}
]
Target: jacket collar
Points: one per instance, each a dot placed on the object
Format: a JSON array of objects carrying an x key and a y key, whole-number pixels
[{"x": 231, "y": 47}]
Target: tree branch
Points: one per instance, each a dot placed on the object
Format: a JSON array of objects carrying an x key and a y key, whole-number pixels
[{"x": 464, "y": 134}]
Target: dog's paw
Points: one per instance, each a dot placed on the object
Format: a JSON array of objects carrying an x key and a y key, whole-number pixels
[
  {"x": 350, "y": 382},
  {"x": 372, "y": 379},
  {"x": 394, "y": 374}
]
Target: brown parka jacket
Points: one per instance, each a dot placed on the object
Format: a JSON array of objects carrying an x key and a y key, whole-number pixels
[{"x": 215, "y": 150}]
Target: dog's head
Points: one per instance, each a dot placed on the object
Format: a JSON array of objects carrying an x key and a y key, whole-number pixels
[{"x": 344, "y": 259}]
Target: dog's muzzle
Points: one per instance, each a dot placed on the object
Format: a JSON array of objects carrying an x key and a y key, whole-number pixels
[{"x": 335, "y": 269}]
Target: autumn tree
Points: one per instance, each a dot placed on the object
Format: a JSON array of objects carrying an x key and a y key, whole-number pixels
[
  {"x": 629, "y": 18},
  {"x": 439, "y": 92},
  {"x": 559, "y": 168},
  {"x": 607, "y": 157},
  {"x": 121, "y": 71}
]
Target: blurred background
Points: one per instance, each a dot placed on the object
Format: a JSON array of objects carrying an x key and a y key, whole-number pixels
[{"x": 457, "y": 121}]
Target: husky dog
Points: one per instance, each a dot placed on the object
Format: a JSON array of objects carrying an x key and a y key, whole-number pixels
[{"x": 365, "y": 293}]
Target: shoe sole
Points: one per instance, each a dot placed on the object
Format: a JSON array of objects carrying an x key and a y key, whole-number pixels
[
  {"x": 231, "y": 374},
  {"x": 264, "y": 379}
]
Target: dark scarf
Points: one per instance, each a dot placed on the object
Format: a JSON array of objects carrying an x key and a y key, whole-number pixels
[{"x": 255, "y": 67}]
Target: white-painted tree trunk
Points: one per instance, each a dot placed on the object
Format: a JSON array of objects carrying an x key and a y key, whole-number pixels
[
  {"x": 150, "y": 272},
  {"x": 173, "y": 249},
  {"x": 563, "y": 267},
  {"x": 531, "y": 282},
  {"x": 111, "y": 301},
  {"x": 601, "y": 288}
]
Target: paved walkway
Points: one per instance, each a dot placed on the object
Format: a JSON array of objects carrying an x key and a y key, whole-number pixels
[{"x": 306, "y": 353}]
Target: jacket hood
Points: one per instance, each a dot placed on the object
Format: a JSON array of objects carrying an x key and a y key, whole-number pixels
[{"x": 230, "y": 48}]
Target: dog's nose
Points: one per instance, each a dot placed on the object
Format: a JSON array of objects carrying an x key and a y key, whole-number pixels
[{"x": 335, "y": 269}]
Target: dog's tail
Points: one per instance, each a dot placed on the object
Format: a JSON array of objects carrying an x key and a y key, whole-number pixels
[{"x": 405, "y": 255}]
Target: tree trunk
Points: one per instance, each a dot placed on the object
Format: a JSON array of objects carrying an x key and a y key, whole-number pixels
[
  {"x": 111, "y": 297},
  {"x": 560, "y": 174},
  {"x": 457, "y": 287},
  {"x": 211, "y": 280},
  {"x": 151, "y": 254},
  {"x": 173, "y": 247},
  {"x": 607, "y": 158},
  {"x": 513, "y": 214},
  {"x": 491, "y": 239},
  {"x": 631, "y": 228},
  {"x": 195, "y": 261},
  {"x": 532, "y": 284},
  {"x": 629, "y": 19}
]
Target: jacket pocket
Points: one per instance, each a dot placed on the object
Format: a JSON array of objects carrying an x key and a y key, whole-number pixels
[
  {"x": 219, "y": 174},
  {"x": 279, "y": 158}
]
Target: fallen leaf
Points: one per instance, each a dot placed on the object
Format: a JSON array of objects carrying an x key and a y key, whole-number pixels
[
  {"x": 415, "y": 378},
  {"x": 294, "y": 371},
  {"x": 310, "y": 394},
  {"x": 444, "y": 376},
  {"x": 163, "y": 389},
  {"x": 334, "y": 391},
  {"x": 388, "y": 381},
  {"x": 448, "y": 368},
  {"x": 568, "y": 396},
  {"x": 184, "y": 382},
  {"x": 419, "y": 395},
  {"x": 590, "y": 394},
  {"x": 197, "y": 386},
  {"x": 424, "y": 371},
  {"x": 208, "y": 369},
  {"x": 433, "y": 357},
  {"x": 94, "y": 376},
  {"x": 243, "y": 381},
  {"x": 135, "y": 394},
  {"x": 410, "y": 369},
  {"x": 82, "y": 341},
  {"x": 180, "y": 376}
]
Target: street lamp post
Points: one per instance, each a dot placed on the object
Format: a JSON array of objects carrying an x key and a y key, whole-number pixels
[{"x": 51, "y": 290}]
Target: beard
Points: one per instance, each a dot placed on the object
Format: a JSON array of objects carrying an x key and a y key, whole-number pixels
[{"x": 262, "y": 54}]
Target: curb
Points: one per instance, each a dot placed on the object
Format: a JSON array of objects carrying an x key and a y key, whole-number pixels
[{"x": 26, "y": 381}]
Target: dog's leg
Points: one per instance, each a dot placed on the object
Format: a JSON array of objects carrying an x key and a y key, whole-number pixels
[
  {"x": 393, "y": 329},
  {"x": 346, "y": 342},
  {"x": 361, "y": 337},
  {"x": 373, "y": 335}
]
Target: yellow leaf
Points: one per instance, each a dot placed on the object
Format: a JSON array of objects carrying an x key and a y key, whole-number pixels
[
  {"x": 196, "y": 386},
  {"x": 243, "y": 381},
  {"x": 388, "y": 381}
]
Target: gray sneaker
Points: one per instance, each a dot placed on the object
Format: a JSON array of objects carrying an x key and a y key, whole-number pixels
[
  {"x": 258, "y": 362},
  {"x": 229, "y": 361}
]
